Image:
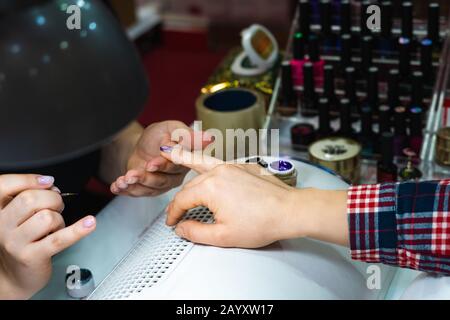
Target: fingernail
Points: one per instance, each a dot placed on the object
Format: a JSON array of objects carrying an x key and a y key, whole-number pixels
[
  {"x": 166, "y": 149},
  {"x": 208, "y": 137},
  {"x": 45, "y": 180},
  {"x": 56, "y": 189},
  {"x": 122, "y": 185},
  {"x": 179, "y": 231},
  {"x": 153, "y": 168},
  {"x": 89, "y": 222},
  {"x": 132, "y": 180}
]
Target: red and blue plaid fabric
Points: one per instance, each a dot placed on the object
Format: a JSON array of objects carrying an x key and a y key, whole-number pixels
[{"x": 403, "y": 224}]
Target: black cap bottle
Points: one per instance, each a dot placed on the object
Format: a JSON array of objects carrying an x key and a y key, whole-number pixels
[
  {"x": 324, "y": 118},
  {"x": 426, "y": 59},
  {"x": 386, "y": 19},
  {"x": 434, "y": 22},
  {"x": 346, "y": 17},
  {"x": 367, "y": 136},
  {"x": 417, "y": 89},
  {"x": 367, "y": 44},
  {"x": 350, "y": 85},
  {"x": 384, "y": 119},
  {"x": 400, "y": 130},
  {"x": 415, "y": 129},
  {"x": 345, "y": 114},
  {"x": 393, "y": 88},
  {"x": 329, "y": 87},
  {"x": 304, "y": 21},
  {"x": 309, "y": 101},
  {"x": 386, "y": 169},
  {"x": 404, "y": 45},
  {"x": 346, "y": 50},
  {"x": 325, "y": 17},
  {"x": 407, "y": 19},
  {"x": 288, "y": 97},
  {"x": 372, "y": 89}
]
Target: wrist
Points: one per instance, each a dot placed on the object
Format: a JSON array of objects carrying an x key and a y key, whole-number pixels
[{"x": 317, "y": 214}]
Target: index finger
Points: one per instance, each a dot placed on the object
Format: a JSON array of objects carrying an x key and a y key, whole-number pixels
[
  {"x": 196, "y": 161},
  {"x": 13, "y": 184},
  {"x": 62, "y": 239}
]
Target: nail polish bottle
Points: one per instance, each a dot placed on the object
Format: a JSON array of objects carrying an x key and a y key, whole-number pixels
[
  {"x": 288, "y": 97},
  {"x": 346, "y": 17},
  {"x": 324, "y": 119},
  {"x": 415, "y": 129},
  {"x": 417, "y": 89},
  {"x": 404, "y": 56},
  {"x": 410, "y": 172},
  {"x": 393, "y": 88},
  {"x": 304, "y": 21},
  {"x": 367, "y": 136},
  {"x": 298, "y": 59},
  {"x": 302, "y": 135},
  {"x": 329, "y": 41},
  {"x": 426, "y": 59},
  {"x": 372, "y": 89},
  {"x": 346, "y": 51},
  {"x": 350, "y": 88},
  {"x": 434, "y": 22},
  {"x": 386, "y": 43},
  {"x": 386, "y": 169},
  {"x": 366, "y": 53},
  {"x": 400, "y": 138},
  {"x": 407, "y": 20},
  {"x": 384, "y": 119},
  {"x": 309, "y": 98},
  {"x": 364, "y": 17},
  {"x": 329, "y": 87},
  {"x": 314, "y": 57},
  {"x": 346, "y": 129}
]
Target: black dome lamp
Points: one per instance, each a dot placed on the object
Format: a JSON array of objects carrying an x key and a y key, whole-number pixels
[{"x": 63, "y": 92}]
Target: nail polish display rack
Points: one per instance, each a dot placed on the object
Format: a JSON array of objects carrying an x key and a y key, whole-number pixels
[{"x": 435, "y": 94}]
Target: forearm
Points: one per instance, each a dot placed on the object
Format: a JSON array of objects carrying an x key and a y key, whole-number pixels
[
  {"x": 114, "y": 158},
  {"x": 318, "y": 214}
]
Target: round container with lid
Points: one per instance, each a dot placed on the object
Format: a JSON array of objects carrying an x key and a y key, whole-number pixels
[{"x": 342, "y": 155}]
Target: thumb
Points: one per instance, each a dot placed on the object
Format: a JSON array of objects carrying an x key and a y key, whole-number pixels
[
  {"x": 196, "y": 161},
  {"x": 203, "y": 233}
]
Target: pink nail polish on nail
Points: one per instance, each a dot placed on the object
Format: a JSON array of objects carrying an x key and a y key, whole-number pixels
[
  {"x": 45, "y": 180},
  {"x": 88, "y": 222}
]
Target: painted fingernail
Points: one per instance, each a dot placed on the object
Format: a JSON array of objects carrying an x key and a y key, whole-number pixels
[
  {"x": 208, "y": 137},
  {"x": 89, "y": 222},
  {"x": 45, "y": 180},
  {"x": 166, "y": 149}
]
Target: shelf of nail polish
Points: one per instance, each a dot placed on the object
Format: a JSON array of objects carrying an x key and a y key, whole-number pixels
[{"x": 341, "y": 79}]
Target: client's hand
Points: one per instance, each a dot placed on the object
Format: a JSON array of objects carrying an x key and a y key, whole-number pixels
[
  {"x": 150, "y": 174},
  {"x": 252, "y": 208},
  {"x": 32, "y": 230}
]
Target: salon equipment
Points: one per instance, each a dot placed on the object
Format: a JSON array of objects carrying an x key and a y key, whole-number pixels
[
  {"x": 162, "y": 266},
  {"x": 63, "y": 92},
  {"x": 341, "y": 155},
  {"x": 80, "y": 283},
  {"x": 260, "y": 52},
  {"x": 284, "y": 170}
]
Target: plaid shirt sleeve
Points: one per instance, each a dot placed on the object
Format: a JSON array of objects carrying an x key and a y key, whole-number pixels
[{"x": 401, "y": 224}]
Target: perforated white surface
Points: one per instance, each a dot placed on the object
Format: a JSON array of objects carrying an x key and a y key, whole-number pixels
[{"x": 153, "y": 258}]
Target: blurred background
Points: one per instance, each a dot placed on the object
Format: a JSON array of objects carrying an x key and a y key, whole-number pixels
[{"x": 183, "y": 41}]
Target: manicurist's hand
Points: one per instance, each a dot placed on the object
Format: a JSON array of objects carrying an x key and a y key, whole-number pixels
[
  {"x": 32, "y": 230},
  {"x": 251, "y": 208},
  {"x": 150, "y": 174}
]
